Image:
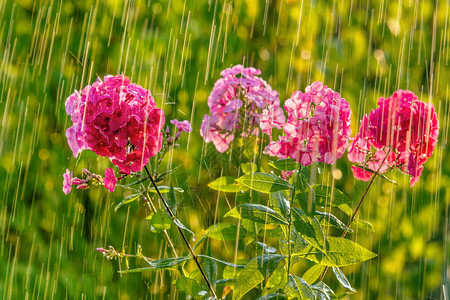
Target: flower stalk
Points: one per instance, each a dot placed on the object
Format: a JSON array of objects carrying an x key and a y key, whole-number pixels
[{"x": 191, "y": 251}]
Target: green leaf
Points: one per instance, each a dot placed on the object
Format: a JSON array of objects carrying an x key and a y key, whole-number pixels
[
  {"x": 172, "y": 200},
  {"x": 327, "y": 219},
  {"x": 340, "y": 252},
  {"x": 248, "y": 278},
  {"x": 227, "y": 184},
  {"x": 141, "y": 180},
  {"x": 313, "y": 273},
  {"x": 256, "y": 212},
  {"x": 163, "y": 263},
  {"x": 287, "y": 164},
  {"x": 178, "y": 223},
  {"x": 280, "y": 202},
  {"x": 164, "y": 189},
  {"x": 188, "y": 285},
  {"x": 273, "y": 296},
  {"x": 322, "y": 291},
  {"x": 160, "y": 221},
  {"x": 225, "y": 232},
  {"x": 307, "y": 202},
  {"x": 210, "y": 267},
  {"x": 327, "y": 195},
  {"x": 220, "y": 261},
  {"x": 342, "y": 279},
  {"x": 277, "y": 280},
  {"x": 298, "y": 288},
  {"x": 264, "y": 183},
  {"x": 127, "y": 199},
  {"x": 267, "y": 263},
  {"x": 309, "y": 228},
  {"x": 363, "y": 225}
]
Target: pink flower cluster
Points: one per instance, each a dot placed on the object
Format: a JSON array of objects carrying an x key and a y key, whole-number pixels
[
  {"x": 400, "y": 133},
  {"x": 317, "y": 128},
  {"x": 116, "y": 119},
  {"x": 236, "y": 103},
  {"x": 109, "y": 181}
]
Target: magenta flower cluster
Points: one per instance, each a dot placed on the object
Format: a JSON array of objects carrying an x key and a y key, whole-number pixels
[
  {"x": 115, "y": 119},
  {"x": 91, "y": 179},
  {"x": 236, "y": 103},
  {"x": 317, "y": 128},
  {"x": 400, "y": 133}
]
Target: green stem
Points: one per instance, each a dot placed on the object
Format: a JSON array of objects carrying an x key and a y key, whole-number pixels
[
  {"x": 353, "y": 217},
  {"x": 172, "y": 216},
  {"x": 291, "y": 201}
]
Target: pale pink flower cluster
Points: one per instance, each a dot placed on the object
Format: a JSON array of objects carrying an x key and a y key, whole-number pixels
[
  {"x": 116, "y": 119},
  {"x": 317, "y": 128},
  {"x": 236, "y": 103},
  {"x": 400, "y": 133}
]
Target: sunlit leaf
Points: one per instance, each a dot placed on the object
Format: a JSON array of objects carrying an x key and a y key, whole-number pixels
[
  {"x": 227, "y": 184},
  {"x": 264, "y": 183},
  {"x": 248, "y": 278},
  {"x": 163, "y": 263},
  {"x": 309, "y": 228},
  {"x": 273, "y": 296},
  {"x": 327, "y": 219},
  {"x": 322, "y": 291},
  {"x": 127, "y": 200},
  {"x": 342, "y": 279},
  {"x": 248, "y": 168},
  {"x": 160, "y": 221},
  {"x": 313, "y": 273},
  {"x": 287, "y": 164},
  {"x": 188, "y": 286},
  {"x": 256, "y": 212},
  {"x": 327, "y": 195},
  {"x": 277, "y": 280},
  {"x": 164, "y": 189},
  {"x": 280, "y": 202},
  {"x": 298, "y": 288},
  {"x": 340, "y": 252}
]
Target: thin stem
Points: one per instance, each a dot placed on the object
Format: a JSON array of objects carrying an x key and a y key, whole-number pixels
[
  {"x": 290, "y": 222},
  {"x": 353, "y": 217},
  {"x": 172, "y": 216}
]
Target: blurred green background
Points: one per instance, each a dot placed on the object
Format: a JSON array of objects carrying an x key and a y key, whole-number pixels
[{"x": 363, "y": 49}]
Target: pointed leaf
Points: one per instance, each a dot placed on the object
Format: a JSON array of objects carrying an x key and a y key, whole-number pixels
[
  {"x": 342, "y": 279},
  {"x": 164, "y": 189},
  {"x": 248, "y": 278},
  {"x": 287, "y": 164},
  {"x": 163, "y": 263},
  {"x": 160, "y": 221},
  {"x": 313, "y": 273},
  {"x": 340, "y": 252},
  {"x": 264, "y": 183},
  {"x": 327, "y": 195},
  {"x": 256, "y": 212},
  {"x": 298, "y": 288},
  {"x": 227, "y": 184},
  {"x": 280, "y": 202},
  {"x": 188, "y": 285},
  {"x": 127, "y": 199},
  {"x": 309, "y": 228},
  {"x": 327, "y": 219}
]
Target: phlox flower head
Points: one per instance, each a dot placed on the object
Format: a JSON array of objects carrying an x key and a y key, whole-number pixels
[
  {"x": 236, "y": 104},
  {"x": 317, "y": 127},
  {"x": 67, "y": 182},
  {"x": 182, "y": 125},
  {"x": 117, "y": 119},
  {"x": 110, "y": 180},
  {"x": 400, "y": 133}
]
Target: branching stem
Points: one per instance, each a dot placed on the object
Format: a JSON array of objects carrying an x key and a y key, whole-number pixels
[{"x": 172, "y": 216}]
